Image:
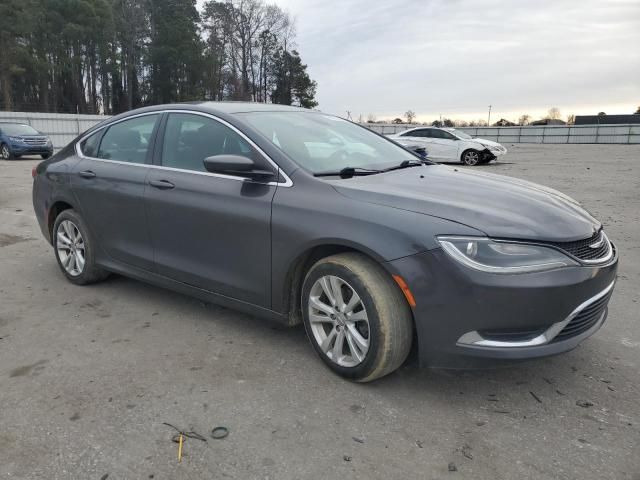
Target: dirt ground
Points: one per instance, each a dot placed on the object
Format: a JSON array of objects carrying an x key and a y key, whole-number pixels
[{"x": 88, "y": 375}]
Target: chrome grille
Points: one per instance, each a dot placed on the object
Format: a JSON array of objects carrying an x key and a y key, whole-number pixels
[
  {"x": 35, "y": 140},
  {"x": 587, "y": 318},
  {"x": 590, "y": 249}
]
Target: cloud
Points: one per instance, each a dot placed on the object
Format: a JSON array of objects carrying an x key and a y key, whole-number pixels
[{"x": 455, "y": 57}]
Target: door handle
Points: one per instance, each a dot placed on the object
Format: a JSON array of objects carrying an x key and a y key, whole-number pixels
[
  {"x": 161, "y": 184},
  {"x": 87, "y": 174}
]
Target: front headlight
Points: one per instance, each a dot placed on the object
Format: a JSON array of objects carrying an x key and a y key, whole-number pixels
[
  {"x": 491, "y": 256},
  {"x": 16, "y": 139}
]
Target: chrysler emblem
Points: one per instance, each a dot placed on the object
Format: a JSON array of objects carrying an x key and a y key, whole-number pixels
[{"x": 597, "y": 244}]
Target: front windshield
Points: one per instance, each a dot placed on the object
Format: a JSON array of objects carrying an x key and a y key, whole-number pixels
[
  {"x": 461, "y": 134},
  {"x": 17, "y": 129},
  {"x": 323, "y": 143}
]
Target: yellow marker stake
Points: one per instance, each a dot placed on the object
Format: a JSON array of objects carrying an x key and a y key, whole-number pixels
[{"x": 180, "y": 449}]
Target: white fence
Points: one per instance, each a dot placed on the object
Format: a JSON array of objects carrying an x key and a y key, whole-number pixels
[
  {"x": 61, "y": 128},
  {"x": 628, "y": 133}
]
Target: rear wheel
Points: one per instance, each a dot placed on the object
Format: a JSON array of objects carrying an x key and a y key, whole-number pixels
[
  {"x": 5, "y": 153},
  {"x": 356, "y": 318},
  {"x": 471, "y": 157},
  {"x": 74, "y": 249}
]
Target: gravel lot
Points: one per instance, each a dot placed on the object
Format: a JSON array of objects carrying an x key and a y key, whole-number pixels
[{"x": 88, "y": 375}]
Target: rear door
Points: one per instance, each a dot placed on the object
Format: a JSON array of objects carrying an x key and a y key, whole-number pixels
[
  {"x": 109, "y": 183},
  {"x": 210, "y": 231}
]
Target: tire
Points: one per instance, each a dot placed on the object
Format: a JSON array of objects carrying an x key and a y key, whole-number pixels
[
  {"x": 388, "y": 326},
  {"x": 471, "y": 157},
  {"x": 5, "y": 152},
  {"x": 44, "y": 156},
  {"x": 68, "y": 225}
]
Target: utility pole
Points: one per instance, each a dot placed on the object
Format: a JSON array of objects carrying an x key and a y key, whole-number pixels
[{"x": 489, "y": 119}]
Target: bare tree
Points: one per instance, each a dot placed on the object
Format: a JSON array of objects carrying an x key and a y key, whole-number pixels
[
  {"x": 601, "y": 114},
  {"x": 461, "y": 123},
  {"x": 410, "y": 115},
  {"x": 571, "y": 119},
  {"x": 524, "y": 119},
  {"x": 638, "y": 111},
  {"x": 371, "y": 118},
  {"x": 397, "y": 120},
  {"x": 554, "y": 113}
]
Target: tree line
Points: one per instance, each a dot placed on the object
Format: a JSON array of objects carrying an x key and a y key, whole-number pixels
[{"x": 110, "y": 56}]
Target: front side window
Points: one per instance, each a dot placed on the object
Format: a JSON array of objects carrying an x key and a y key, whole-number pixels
[
  {"x": 189, "y": 139},
  {"x": 128, "y": 141},
  {"x": 445, "y": 135},
  {"x": 322, "y": 143}
]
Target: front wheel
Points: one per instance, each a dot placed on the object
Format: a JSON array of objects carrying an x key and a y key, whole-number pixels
[
  {"x": 356, "y": 317},
  {"x": 5, "y": 153},
  {"x": 44, "y": 156},
  {"x": 75, "y": 250},
  {"x": 471, "y": 157}
]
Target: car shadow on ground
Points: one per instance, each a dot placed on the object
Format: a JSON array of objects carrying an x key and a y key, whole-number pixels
[{"x": 569, "y": 377}]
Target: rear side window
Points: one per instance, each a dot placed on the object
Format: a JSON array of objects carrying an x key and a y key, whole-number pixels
[
  {"x": 89, "y": 146},
  {"x": 414, "y": 133},
  {"x": 189, "y": 139},
  {"x": 128, "y": 141}
]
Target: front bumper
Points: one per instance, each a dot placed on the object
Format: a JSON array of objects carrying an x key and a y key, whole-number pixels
[
  {"x": 23, "y": 149},
  {"x": 471, "y": 319}
]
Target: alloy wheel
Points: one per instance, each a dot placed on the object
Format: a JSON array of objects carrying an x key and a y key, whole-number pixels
[
  {"x": 471, "y": 158},
  {"x": 70, "y": 248},
  {"x": 339, "y": 321},
  {"x": 5, "y": 153}
]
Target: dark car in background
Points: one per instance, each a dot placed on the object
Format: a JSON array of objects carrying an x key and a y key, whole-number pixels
[
  {"x": 303, "y": 217},
  {"x": 18, "y": 139}
]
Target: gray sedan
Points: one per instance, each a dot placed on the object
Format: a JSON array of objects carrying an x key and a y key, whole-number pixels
[{"x": 302, "y": 217}]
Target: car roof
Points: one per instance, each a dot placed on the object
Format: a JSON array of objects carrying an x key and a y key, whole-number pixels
[{"x": 230, "y": 107}]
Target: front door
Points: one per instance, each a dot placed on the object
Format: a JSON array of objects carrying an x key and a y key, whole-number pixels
[
  {"x": 109, "y": 183},
  {"x": 445, "y": 144},
  {"x": 208, "y": 230}
]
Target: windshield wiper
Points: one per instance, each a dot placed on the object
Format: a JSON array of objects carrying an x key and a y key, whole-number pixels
[
  {"x": 348, "y": 172},
  {"x": 406, "y": 164}
]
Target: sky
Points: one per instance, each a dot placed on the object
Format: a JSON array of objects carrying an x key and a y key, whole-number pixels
[{"x": 454, "y": 58}]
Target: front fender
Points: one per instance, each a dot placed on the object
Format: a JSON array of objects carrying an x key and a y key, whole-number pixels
[{"x": 312, "y": 214}]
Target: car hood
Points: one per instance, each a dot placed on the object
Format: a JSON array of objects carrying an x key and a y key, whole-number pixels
[
  {"x": 487, "y": 142},
  {"x": 501, "y": 207}
]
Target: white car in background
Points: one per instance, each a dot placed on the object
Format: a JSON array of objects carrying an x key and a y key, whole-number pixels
[{"x": 451, "y": 145}]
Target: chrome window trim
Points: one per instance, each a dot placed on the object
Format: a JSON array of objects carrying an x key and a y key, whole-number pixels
[
  {"x": 474, "y": 339},
  {"x": 287, "y": 183}
]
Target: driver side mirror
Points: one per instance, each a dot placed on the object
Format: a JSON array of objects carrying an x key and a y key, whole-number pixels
[{"x": 237, "y": 166}]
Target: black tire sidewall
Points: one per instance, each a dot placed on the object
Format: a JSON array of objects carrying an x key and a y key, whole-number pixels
[
  {"x": 368, "y": 365},
  {"x": 76, "y": 219}
]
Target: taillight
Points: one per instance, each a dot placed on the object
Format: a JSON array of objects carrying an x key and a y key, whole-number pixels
[{"x": 33, "y": 172}]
